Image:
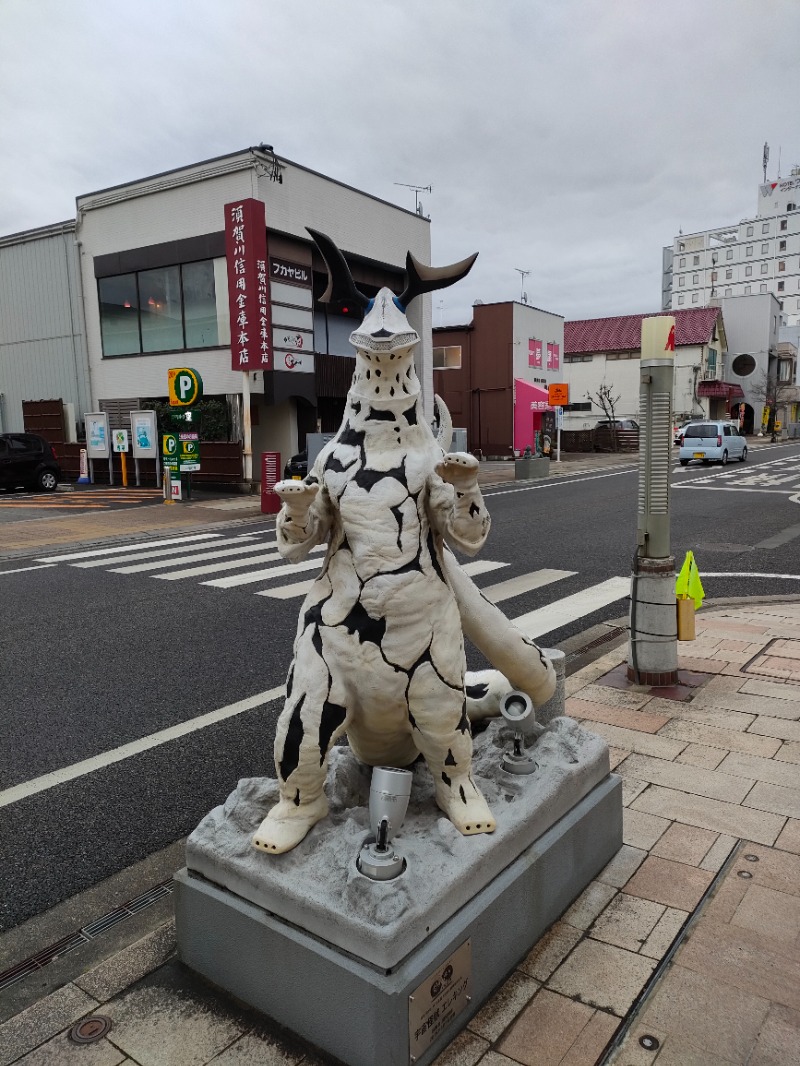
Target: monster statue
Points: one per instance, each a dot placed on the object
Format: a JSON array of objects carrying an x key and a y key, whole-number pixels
[{"x": 379, "y": 652}]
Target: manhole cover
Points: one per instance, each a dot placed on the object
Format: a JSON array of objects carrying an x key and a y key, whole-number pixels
[
  {"x": 779, "y": 657},
  {"x": 90, "y": 1030}
]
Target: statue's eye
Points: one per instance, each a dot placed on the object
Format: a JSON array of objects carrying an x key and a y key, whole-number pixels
[
  {"x": 398, "y": 305},
  {"x": 370, "y": 305}
]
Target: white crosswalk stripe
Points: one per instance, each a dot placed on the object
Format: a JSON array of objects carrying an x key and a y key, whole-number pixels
[{"x": 205, "y": 555}]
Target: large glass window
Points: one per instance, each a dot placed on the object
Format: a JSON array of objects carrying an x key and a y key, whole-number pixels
[
  {"x": 200, "y": 305},
  {"x": 119, "y": 315},
  {"x": 162, "y": 310}
]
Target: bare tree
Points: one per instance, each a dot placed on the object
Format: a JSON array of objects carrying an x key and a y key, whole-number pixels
[{"x": 607, "y": 402}]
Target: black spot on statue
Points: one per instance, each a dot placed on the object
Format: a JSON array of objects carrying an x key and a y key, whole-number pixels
[
  {"x": 366, "y": 479},
  {"x": 377, "y": 373},
  {"x": 477, "y": 692},
  {"x": 356, "y": 406},
  {"x": 391, "y": 391},
  {"x": 332, "y": 717},
  {"x": 434, "y": 556},
  {"x": 473, "y": 510},
  {"x": 380, "y": 416},
  {"x": 462, "y": 793},
  {"x": 368, "y": 375},
  {"x": 463, "y": 722},
  {"x": 297, "y": 797},
  {"x": 446, "y": 779},
  {"x": 398, "y": 517},
  {"x": 311, "y": 480},
  {"x": 450, "y": 760},
  {"x": 290, "y": 682},
  {"x": 411, "y": 415},
  {"x": 412, "y": 720},
  {"x": 353, "y": 437},
  {"x": 291, "y": 744},
  {"x": 336, "y": 466},
  {"x": 369, "y": 630}
]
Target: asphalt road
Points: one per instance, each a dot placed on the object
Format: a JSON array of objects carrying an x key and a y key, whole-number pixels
[{"x": 91, "y": 660}]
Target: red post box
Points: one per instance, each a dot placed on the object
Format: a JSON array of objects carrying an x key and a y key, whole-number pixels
[{"x": 270, "y": 476}]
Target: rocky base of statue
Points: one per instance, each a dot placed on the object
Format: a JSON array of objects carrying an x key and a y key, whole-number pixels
[{"x": 339, "y": 958}]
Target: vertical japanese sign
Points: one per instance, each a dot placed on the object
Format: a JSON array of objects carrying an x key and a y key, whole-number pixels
[
  {"x": 248, "y": 285},
  {"x": 534, "y": 352},
  {"x": 553, "y": 356}
]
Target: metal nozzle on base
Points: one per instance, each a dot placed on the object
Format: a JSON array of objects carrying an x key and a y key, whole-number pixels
[{"x": 517, "y": 709}]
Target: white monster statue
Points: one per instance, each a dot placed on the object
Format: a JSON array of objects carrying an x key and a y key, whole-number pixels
[{"x": 379, "y": 652}]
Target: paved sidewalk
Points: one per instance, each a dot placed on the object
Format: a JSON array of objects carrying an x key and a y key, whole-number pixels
[{"x": 684, "y": 951}]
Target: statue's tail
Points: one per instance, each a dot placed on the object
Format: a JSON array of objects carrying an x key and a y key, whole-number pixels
[{"x": 519, "y": 662}]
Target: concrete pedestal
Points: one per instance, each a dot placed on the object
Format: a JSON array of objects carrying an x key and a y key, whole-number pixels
[
  {"x": 387, "y": 973},
  {"x": 529, "y": 469}
]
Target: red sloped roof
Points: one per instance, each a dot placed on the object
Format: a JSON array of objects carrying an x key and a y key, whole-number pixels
[{"x": 624, "y": 333}]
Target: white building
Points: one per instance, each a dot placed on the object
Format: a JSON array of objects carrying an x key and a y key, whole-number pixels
[{"x": 755, "y": 256}]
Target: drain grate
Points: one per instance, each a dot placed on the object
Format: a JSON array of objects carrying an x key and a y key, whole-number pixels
[{"x": 84, "y": 935}]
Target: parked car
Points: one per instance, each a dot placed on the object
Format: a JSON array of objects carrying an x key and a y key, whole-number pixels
[
  {"x": 620, "y": 423},
  {"x": 297, "y": 467},
  {"x": 712, "y": 442},
  {"x": 626, "y": 434},
  {"x": 28, "y": 461}
]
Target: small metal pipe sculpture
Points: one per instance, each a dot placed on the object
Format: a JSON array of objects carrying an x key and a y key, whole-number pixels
[{"x": 379, "y": 651}]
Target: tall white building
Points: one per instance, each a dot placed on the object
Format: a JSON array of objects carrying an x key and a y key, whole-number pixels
[{"x": 757, "y": 255}]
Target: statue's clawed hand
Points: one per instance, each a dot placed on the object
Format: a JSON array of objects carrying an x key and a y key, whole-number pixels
[
  {"x": 459, "y": 469},
  {"x": 297, "y": 496}
]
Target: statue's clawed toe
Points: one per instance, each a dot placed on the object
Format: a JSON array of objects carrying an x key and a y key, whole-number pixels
[
  {"x": 287, "y": 824},
  {"x": 466, "y": 808}
]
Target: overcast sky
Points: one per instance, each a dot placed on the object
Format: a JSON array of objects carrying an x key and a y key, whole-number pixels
[{"x": 570, "y": 138}]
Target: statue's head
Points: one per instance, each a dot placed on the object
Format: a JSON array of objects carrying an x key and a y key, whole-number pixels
[{"x": 385, "y": 334}]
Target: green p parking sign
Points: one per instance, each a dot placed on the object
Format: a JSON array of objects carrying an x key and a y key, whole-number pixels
[{"x": 185, "y": 386}]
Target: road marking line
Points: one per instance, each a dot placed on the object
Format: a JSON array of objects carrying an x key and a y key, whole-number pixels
[
  {"x": 753, "y": 573},
  {"x": 252, "y": 560},
  {"x": 126, "y": 751},
  {"x": 23, "y": 569},
  {"x": 162, "y": 553},
  {"x": 517, "y": 586},
  {"x": 544, "y": 484},
  {"x": 125, "y": 548},
  {"x": 562, "y": 612},
  {"x": 258, "y": 575}
]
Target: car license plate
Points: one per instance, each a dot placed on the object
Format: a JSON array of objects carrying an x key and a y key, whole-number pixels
[
  {"x": 296, "y": 477},
  {"x": 699, "y": 455}
]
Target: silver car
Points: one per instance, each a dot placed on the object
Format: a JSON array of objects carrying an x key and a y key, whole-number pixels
[{"x": 712, "y": 442}]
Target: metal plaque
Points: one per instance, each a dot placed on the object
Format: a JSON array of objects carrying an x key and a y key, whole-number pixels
[{"x": 441, "y": 997}]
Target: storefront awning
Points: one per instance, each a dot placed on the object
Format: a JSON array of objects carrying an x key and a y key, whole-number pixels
[{"x": 720, "y": 390}]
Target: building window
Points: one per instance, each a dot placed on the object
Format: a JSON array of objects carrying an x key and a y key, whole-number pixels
[
  {"x": 780, "y": 286},
  {"x": 695, "y": 279},
  {"x": 747, "y": 290},
  {"x": 681, "y": 281},
  {"x": 762, "y": 288},
  {"x": 163, "y": 310},
  {"x": 748, "y": 270},
  {"x": 681, "y": 299},
  {"x": 784, "y": 370},
  {"x": 781, "y": 246},
  {"x": 749, "y": 250},
  {"x": 781, "y": 266},
  {"x": 729, "y": 253},
  {"x": 783, "y": 223},
  {"x": 791, "y": 207},
  {"x": 682, "y": 262},
  {"x": 681, "y": 246},
  {"x": 696, "y": 260},
  {"x": 694, "y": 297},
  {"x": 448, "y": 358},
  {"x": 765, "y": 248},
  {"x": 729, "y": 292},
  {"x": 765, "y": 268},
  {"x": 749, "y": 231},
  {"x": 728, "y": 275},
  {"x": 713, "y": 275},
  {"x": 765, "y": 227}
]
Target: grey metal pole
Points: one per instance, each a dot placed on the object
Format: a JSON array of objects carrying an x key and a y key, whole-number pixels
[{"x": 653, "y": 648}]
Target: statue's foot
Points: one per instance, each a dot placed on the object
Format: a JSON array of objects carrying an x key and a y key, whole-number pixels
[
  {"x": 465, "y": 807},
  {"x": 286, "y": 825}
]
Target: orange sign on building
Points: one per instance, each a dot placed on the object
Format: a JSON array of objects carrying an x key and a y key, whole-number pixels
[{"x": 558, "y": 395}]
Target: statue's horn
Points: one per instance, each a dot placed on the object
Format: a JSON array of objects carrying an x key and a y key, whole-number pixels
[
  {"x": 421, "y": 278},
  {"x": 341, "y": 286}
]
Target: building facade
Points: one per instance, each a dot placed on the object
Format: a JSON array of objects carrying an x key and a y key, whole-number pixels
[
  {"x": 476, "y": 366},
  {"x": 145, "y": 280},
  {"x": 757, "y": 256}
]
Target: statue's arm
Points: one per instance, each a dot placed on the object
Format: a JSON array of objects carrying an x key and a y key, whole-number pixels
[
  {"x": 305, "y": 518},
  {"x": 455, "y": 503}
]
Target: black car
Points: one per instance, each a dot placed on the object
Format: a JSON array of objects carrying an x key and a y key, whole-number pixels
[
  {"x": 27, "y": 461},
  {"x": 297, "y": 467}
]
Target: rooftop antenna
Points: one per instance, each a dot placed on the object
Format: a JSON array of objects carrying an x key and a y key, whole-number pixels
[
  {"x": 522, "y": 275},
  {"x": 765, "y": 160},
  {"x": 417, "y": 190}
]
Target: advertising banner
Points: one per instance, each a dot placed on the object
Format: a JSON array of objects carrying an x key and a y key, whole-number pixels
[
  {"x": 248, "y": 285},
  {"x": 144, "y": 434},
  {"x": 534, "y": 353},
  {"x": 97, "y": 439},
  {"x": 553, "y": 356}
]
